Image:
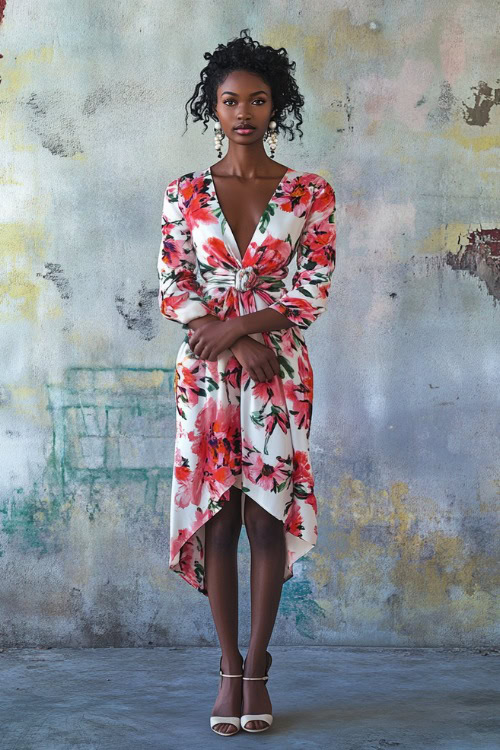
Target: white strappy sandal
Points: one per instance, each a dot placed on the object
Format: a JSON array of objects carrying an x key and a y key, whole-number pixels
[
  {"x": 234, "y": 720},
  {"x": 258, "y": 717}
]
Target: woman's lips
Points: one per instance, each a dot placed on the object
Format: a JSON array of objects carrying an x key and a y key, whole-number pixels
[{"x": 244, "y": 131}]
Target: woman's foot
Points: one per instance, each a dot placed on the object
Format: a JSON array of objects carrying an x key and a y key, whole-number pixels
[
  {"x": 228, "y": 701},
  {"x": 256, "y": 699}
]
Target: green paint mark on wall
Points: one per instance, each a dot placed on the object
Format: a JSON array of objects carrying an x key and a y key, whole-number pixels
[{"x": 297, "y": 600}]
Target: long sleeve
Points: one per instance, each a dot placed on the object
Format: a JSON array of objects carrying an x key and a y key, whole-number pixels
[
  {"x": 180, "y": 294},
  {"x": 316, "y": 257}
]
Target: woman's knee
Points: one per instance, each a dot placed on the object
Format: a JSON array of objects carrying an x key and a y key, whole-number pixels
[
  {"x": 223, "y": 529},
  {"x": 261, "y": 526}
]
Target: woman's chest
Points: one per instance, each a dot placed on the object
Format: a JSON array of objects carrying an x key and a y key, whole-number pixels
[
  {"x": 250, "y": 224},
  {"x": 243, "y": 204}
]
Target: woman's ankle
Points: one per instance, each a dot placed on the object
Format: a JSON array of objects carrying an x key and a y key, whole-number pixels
[
  {"x": 256, "y": 661},
  {"x": 232, "y": 663}
]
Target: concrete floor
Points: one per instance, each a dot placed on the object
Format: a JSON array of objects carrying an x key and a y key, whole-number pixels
[{"x": 323, "y": 697}]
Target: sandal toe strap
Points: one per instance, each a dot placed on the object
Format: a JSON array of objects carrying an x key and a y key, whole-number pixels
[
  {"x": 256, "y": 717},
  {"x": 234, "y": 720}
]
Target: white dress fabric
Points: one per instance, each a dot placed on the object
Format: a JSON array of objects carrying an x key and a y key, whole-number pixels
[{"x": 231, "y": 430}]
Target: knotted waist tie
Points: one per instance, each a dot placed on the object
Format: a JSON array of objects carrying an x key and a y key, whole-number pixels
[{"x": 245, "y": 279}]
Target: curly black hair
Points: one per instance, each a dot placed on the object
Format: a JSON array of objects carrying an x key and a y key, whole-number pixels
[{"x": 243, "y": 53}]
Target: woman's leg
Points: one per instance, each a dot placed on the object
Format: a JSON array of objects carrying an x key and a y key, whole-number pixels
[
  {"x": 268, "y": 553},
  {"x": 222, "y": 533}
]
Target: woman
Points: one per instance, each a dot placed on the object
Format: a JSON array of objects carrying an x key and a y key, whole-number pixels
[{"x": 243, "y": 380}]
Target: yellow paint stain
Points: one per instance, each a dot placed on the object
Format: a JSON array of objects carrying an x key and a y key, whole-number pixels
[
  {"x": 471, "y": 137},
  {"x": 21, "y": 243},
  {"x": 348, "y": 38},
  {"x": 29, "y": 402},
  {"x": 433, "y": 575},
  {"x": 54, "y": 312},
  {"x": 282, "y": 34},
  {"x": 18, "y": 296},
  {"x": 145, "y": 380},
  {"x": 22, "y": 392},
  {"x": 7, "y": 176},
  {"x": 489, "y": 175},
  {"x": 333, "y": 119},
  {"x": 16, "y": 81},
  {"x": 322, "y": 571},
  {"x": 316, "y": 49},
  {"x": 447, "y": 238},
  {"x": 14, "y": 77},
  {"x": 326, "y": 605},
  {"x": 43, "y": 54},
  {"x": 19, "y": 238}
]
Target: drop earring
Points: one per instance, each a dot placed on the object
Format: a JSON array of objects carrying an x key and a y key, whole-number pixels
[
  {"x": 218, "y": 138},
  {"x": 271, "y": 137}
]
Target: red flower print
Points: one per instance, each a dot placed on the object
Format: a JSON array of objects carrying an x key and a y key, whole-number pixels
[
  {"x": 230, "y": 429},
  {"x": 265, "y": 475},
  {"x": 294, "y": 521},
  {"x": 296, "y": 196}
]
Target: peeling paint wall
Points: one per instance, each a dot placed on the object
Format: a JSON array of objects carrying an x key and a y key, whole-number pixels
[{"x": 402, "y": 116}]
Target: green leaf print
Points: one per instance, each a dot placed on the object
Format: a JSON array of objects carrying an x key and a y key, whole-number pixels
[
  {"x": 257, "y": 418},
  {"x": 266, "y": 217},
  {"x": 285, "y": 364}
]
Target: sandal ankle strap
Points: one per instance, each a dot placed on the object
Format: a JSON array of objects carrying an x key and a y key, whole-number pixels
[
  {"x": 268, "y": 665},
  {"x": 229, "y": 675}
]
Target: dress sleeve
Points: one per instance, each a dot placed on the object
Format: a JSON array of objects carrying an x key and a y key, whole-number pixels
[
  {"x": 316, "y": 256},
  {"x": 180, "y": 293}
]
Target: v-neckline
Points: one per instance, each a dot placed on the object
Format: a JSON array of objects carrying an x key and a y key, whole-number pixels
[{"x": 221, "y": 212}]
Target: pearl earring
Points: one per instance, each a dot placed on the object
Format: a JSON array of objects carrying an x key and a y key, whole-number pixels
[
  {"x": 218, "y": 138},
  {"x": 271, "y": 137}
]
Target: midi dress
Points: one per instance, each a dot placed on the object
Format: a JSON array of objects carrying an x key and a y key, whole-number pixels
[{"x": 231, "y": 430}]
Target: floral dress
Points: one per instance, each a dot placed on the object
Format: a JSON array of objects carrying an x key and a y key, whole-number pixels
[{"x": 231, "y": 430}]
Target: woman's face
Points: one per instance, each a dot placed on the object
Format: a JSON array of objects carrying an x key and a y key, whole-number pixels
[{"x": 244, "y": 98}]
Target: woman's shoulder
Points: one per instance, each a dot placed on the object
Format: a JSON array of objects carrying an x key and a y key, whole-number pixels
[
  {"x": 187, "y": 177},
  {"x": 313, "y": 179}
]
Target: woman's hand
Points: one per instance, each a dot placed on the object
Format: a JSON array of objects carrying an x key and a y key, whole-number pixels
[
  {"x": 257, "y": 359},
  {"x": 212, "y": 337}
]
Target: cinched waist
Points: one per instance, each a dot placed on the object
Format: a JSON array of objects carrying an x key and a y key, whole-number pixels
[{"x": 242, "y": 279}]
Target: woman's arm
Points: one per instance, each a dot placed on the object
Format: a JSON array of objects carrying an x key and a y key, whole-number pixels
[
  {"x": 306, "y": 300},
  {"x": 316, "y": 258},
  {"x": 180, "y": 296}
]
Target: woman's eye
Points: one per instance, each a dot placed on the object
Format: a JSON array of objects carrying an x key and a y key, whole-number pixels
[{"x": 227, "y": 101}]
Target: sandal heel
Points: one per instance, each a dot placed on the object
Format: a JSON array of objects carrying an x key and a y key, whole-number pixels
[
  {"x": 246, "y": 718},
  {"x": 234, "y": 720}
]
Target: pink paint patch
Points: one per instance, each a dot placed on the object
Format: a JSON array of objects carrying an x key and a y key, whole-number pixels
[
  {"x": 452, "y": 50},
  {"x": 402, "y": 96}
]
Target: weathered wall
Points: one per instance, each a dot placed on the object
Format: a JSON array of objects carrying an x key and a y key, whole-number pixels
[{"x": 402, "y": 114}]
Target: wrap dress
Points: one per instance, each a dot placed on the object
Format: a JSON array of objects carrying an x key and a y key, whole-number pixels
[{"x": 231, "y": 430}]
